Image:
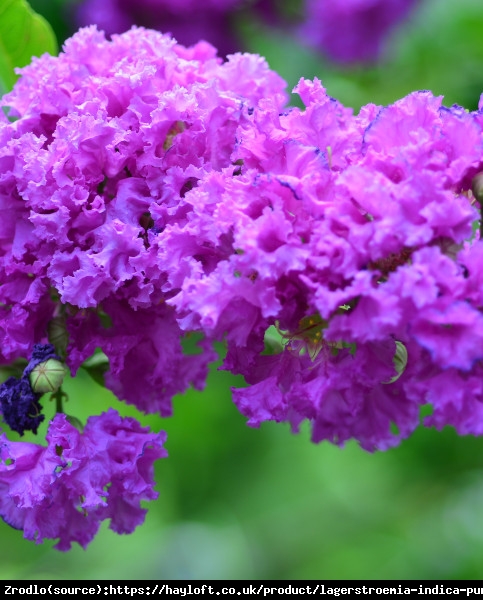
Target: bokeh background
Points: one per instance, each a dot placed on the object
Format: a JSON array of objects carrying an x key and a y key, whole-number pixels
[{"x": 241, "y": 503}]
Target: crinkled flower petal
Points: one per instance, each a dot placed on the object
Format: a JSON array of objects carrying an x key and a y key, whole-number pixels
[{"x": 64, "y": 490}]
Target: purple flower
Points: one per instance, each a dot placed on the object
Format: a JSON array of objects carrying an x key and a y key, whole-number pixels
[
  {"x": 65, "y": 490},
  {"x": 352, "y": 30},
  {"x": 109, "y": 138},
  {"x": 141, "y": 346},
  {"x": 187, "y": 20},
  {"x": 151, "y": 191},
  {"x": 342, "y": 234},
  {"x": 20, "y": 405},
  {"x": 343, "y": 394}
]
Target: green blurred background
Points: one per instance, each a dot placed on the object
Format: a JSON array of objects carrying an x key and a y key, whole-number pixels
[{"x": 239, "y": 503}]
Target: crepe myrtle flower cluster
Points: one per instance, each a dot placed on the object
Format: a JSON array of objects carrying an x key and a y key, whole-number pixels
[
  {"x": 65, "y": 490},
  {"x": 350, "y": 249},
  {"x": 149, "y": 191},
  {"x": 101, "y": 147},
  {"x": 351, "y": 31}
]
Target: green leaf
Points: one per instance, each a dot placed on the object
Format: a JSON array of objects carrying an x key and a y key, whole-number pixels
[
  {"x": 23, "y": 34},
  {"x": 77, "y": 423},
  {"x": 274, "y": 341},
  {"x": 97, "y": 366},
  {"x": 13, "y": 370}
]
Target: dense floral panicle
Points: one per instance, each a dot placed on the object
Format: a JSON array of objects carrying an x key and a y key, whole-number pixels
[
  {"x": 64, "y": 490},
  {"x": 322, "y": 215},
  {"x": 108, "y": 139},
  {"x": 345, "y": 232},
  {"x": 344, "y": 395},
  {"x": 164, "y": 191},
  {"x": 352, "y": 30}
]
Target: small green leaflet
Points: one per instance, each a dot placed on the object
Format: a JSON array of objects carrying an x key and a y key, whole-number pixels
[{"x": 400, "y": 361}]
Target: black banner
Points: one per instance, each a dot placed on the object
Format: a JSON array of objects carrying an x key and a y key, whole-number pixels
[{"x": 264, "y": 589}]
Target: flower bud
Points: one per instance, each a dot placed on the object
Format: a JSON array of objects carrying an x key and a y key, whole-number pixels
[
  {"x": 47, "y": 376},
  {"x": 75, "y": 422},
  {"x": 477, "y": 186},
  {"x": 400, "y": 361},
  {"x": 58, "y": 335}
]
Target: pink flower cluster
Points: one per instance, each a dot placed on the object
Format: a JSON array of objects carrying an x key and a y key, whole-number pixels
[
  {"x": 348, "y": 235},
  {"x": 148, "y": 191},
  {"x": 110, "y": 138},
  {"x": 102, "y": 146},
  {"x": 66, "y": 489}
]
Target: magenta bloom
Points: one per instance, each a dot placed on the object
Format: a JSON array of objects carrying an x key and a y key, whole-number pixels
[
  {"x": 64, "y": 490},
  {"x": 109, "y": 138},
  {"x": 150, "y": 191},
  {"x": 346, "y": 238},
  {"x": 107, "y": 141}
]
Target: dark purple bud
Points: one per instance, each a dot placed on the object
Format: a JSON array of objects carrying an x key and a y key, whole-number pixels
[{"x": 20, "y": 405}]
